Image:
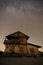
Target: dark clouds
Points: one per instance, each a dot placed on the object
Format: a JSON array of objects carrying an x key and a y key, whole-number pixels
[{"x": 33, "y": 4}]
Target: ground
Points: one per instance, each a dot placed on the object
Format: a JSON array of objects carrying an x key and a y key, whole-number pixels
[{"x": 21, "y": 60}]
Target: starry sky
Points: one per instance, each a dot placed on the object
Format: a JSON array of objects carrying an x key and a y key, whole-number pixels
[{"x": 23, "y": 15}]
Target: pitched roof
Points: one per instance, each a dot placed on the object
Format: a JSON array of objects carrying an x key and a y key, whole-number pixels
[
  {"x": 34, "y": 45},
  {"x": 17, "y": 34}
]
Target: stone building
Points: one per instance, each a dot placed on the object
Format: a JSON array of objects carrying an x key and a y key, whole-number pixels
[{"x": 17, "y": 43}]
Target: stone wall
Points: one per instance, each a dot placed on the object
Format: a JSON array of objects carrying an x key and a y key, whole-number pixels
[{"x": 33, "y": 50}]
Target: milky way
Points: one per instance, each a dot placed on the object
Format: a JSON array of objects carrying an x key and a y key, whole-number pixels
[{"x": 33, "y": 4}]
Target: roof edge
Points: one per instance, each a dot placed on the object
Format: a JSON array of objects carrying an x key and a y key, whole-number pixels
[
  {"x": 34, "y": 45},
  {"x": 17, "y": 32}
]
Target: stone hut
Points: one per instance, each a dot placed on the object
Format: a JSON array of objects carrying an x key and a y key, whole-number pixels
[{"x": 17, "y": 43}]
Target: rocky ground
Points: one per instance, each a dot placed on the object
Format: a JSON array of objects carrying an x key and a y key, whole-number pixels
[{"x": 21, "y": 60}]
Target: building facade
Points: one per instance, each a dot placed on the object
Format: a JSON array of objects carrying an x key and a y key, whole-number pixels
[{"x": 17, "y": 43}]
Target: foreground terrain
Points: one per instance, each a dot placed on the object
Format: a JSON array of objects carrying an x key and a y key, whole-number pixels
[{"x": 21, "y": 60}]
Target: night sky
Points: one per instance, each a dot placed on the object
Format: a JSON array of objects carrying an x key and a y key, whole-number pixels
[{"x": 23, "y": 15}]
